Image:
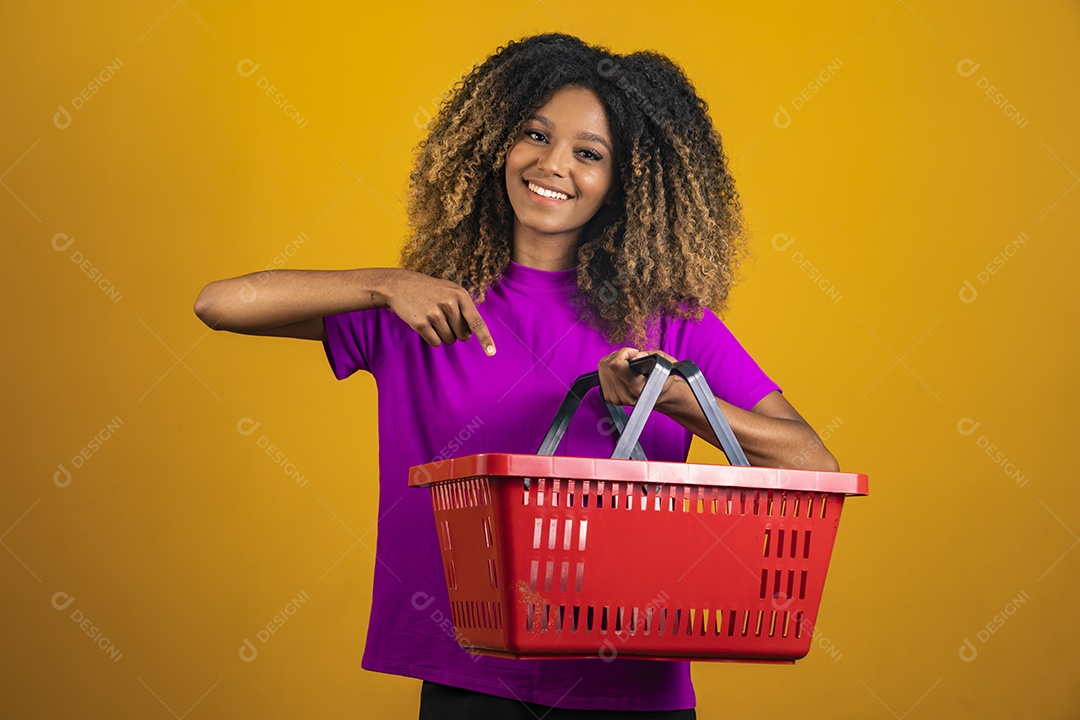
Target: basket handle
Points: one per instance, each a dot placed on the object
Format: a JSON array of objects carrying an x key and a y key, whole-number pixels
[
  {"x": 623, "y": 425},
  {"x": 698, "y": 385},
  {"x": 657, "y": 369}
]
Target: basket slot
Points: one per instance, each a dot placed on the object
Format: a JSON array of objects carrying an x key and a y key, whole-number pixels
[
  {"x": 549, "y": 568},
  {"x": 564, "y": 575},
  {"x": 487, "y": 531},
  {"x": 604, "y": 620},
  {"x": 790, "y": 584},
  {"x": 780, "y": 543},
  {"x": 529, "y": 618},
  {"x": 536, "y": 533},
  {"x": 532, "y": 575},
  {"x": 547, "y": 618},
  {"x": 575, "y": 617},
  {"x": 566, "y": 533},
  {"x": 555, "y": 492},
  {"x": 802, "y": 587},
  {"x": 619, "y": 620},
  {"x": 795, "y": 505},
  {"x": 589, "y": 619},
  {"x": 580, "y": 575},
  {"x": 787, "y": 621},
  {"x": 719, "y": 622},
  {"x": 768, "y": 533},
  {"x": 798, "y": 624},
  {"x": 764, "y": 582},
  {"x": 583, "y": 527},
  {"x": 553, "y": 524},
  {"x": 783, "y": 504},
  {"x": 772, "y": 623},
  {"x": 451, "y": 576},
  {"x": 794, "y": 542},
  {"x": 824, "y": 504},
  {"x": 663, "y": 620},
  {"x": 648, "y": 620},
  {"x": 806, "y": 545},
  {"x": 769, "y": 504},
  {"x": 491, "y": 574},
  {"x": 760, "y": 616}
]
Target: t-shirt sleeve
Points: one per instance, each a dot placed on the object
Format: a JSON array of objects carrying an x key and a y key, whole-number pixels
[
  {"x": 353, "y": 341},
  {"x": 731, "y": 372}
]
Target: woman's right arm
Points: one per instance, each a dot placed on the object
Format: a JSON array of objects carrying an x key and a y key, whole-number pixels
[{"x": 292, "y": 303}]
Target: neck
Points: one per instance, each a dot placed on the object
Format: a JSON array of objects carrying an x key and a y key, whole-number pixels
[{"x": 544, "y": 252}]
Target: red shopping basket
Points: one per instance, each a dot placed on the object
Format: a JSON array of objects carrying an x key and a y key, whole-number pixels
[{"x": 568, "y": 557}]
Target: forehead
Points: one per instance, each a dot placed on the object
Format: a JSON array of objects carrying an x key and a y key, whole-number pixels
[{"x": 578, "y": 108}]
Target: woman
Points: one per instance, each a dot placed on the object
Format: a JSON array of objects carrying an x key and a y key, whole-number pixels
[{"x": 573, "y": 206}]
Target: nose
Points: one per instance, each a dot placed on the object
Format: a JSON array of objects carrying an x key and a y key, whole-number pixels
[{"x": 554, "y": 160}]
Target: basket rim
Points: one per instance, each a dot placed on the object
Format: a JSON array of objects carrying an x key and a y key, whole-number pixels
[{"x": 516, "y": 466}]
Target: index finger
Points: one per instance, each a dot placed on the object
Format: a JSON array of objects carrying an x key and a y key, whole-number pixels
[{"x": 477, "y": 325}]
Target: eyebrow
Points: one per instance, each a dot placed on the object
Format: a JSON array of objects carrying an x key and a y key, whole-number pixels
[{"x": 581, "y": 135}]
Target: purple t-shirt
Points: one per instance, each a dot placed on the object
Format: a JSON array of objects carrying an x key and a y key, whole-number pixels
[{"x": 451, "y": 401}]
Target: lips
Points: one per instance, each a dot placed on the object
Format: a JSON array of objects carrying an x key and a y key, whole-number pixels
[{"x": 546, "y": 191}]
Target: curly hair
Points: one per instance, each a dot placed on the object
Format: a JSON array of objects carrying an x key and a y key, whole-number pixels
[{"x": 670, "y": 244}]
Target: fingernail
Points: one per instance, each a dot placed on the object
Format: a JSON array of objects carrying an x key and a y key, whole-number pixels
[{"x": 490, "y": 349}]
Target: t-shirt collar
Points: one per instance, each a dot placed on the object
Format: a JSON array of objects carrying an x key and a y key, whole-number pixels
[{"x": 531, "y": 277}]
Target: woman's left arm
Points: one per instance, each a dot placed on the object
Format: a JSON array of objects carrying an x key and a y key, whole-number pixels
[{"x": 772, "y": 434}]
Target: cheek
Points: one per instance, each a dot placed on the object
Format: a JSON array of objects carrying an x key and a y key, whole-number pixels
[
  {"x": 516, "y": 159},
  {"x": 598, "y": 184}
]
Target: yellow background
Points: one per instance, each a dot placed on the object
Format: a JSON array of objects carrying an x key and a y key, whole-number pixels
[{"x": 179, "y": 538}]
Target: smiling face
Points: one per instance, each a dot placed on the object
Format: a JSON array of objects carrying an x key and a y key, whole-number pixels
[{"x": 559, "y": 172}]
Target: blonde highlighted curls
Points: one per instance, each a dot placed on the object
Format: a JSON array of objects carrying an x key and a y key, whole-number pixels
[{"x": 670, "y": 244}]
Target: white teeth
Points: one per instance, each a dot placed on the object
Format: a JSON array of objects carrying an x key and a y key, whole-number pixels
[{"x": 548, "y": 193}]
